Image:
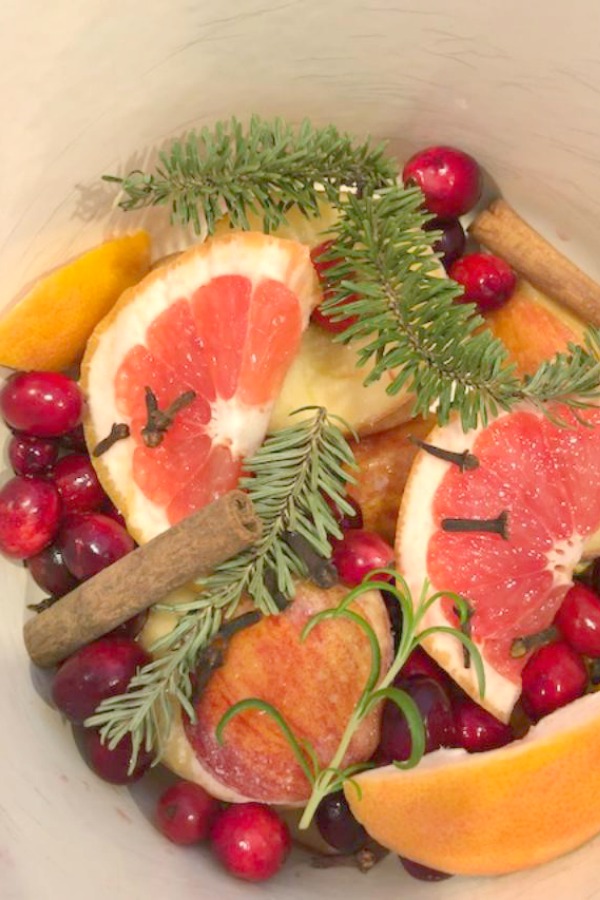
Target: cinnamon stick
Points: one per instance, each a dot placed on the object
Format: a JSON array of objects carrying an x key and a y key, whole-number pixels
[
  {"x": 505, "y": 233},
  {"x": 189, "y": 550}
]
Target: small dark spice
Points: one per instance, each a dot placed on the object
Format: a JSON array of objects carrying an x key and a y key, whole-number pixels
[
  {"x": 158, "y": 420},
  {"x": 363, "y": 860},
  {"x": 42, "y": 605},
  {"x": 212, "y": 656},
  {"x": 521, "y": 646},
  {"x": 465, "y": 461},
  {"x": 499, "y": 525},
  {"x": 466, "y": 628},
  {"x": 270, "y": 583},
  {"x": 118, "y": 432},
  {"x": 320, "y": 570}
]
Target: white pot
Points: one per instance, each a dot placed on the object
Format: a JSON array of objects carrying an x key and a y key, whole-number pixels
[{"x": 88, "y": 88}]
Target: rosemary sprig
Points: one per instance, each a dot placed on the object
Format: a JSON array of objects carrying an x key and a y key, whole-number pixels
[
  {"x": 379, "y": 686},
  {"x": 263, "y": 169},
  {"x": 287, "y": 479}
]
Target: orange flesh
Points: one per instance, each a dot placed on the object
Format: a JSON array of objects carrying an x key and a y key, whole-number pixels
[
  {"x": 548, "y": 479},
  {"x": 233, "y": 344}
]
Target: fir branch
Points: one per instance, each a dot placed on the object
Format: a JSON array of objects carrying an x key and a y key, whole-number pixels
[
  {"x": 287, "y": 479},
  {"x": 263, "y": 169}
]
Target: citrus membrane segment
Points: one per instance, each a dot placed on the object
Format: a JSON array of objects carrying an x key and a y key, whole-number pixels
[
  {"x": 546, "y": 479},
  {"x": 218, "y": 327}
]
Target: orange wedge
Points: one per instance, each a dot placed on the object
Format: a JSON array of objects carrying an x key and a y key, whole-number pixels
[
  {"x": 48, "y": 328},
  {"x": 496, "y": 812}
]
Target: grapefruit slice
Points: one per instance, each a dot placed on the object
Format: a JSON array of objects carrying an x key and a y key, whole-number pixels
[
  {"x": 546, "y": 481},
  {"x": 496, "y": 812},
  {"x": 216, "y": 329}
]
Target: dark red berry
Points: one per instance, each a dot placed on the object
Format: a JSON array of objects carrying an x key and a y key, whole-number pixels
[
  {"x": 250, "y": 840},
  {"x": 77, "y": 483},
  {"x": 75, "y": 439},
  {"x": 578, "y": 620},
  {"x": 113, "y": 765},
  {"x": 451, "y": 245},
  {"x": 487, "y": 280},
  {"x": 435, "y": 708},
  {"x": 321, "y": 267},
  {"x": 89, "y": 542},
  {"x": 29, "y": 516},
  {"x": 99, "y": 670},
  {"x": 449, "y": 178},
  {"x": 44, "y": 404},
  {"x": 132, "y": 627},
  {"x": 31, "y": 455},
  {"x": 346, "y": 520},
  {"x": 337, "y": 826},
  {"x": 358, "y": 553},
  {"x": 184, "y": 813},
  {"x": 478, "y": 730},
  {"x": 49, "y": 571},
  {"x": 422, "y": 873},
  {"x": 109, "y": 509},
  {"x": 553, "y": 676},
  {"x": 420, "y": 664}
]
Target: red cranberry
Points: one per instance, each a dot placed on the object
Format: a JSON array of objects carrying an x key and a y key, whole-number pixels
[
  {"x": 132, "y": 627},
  {"x": 44, "y": 404},
  {"x": 553, "y": 676},
  {"x": 75, "y": 439},
  {"x": 321, "y": 267},
  {"x": 420, "y": 664},
  {"x": 337, "y": 826},
  {"x": 29, "y": 516},
  {"x": 184, "y": 813},
  {"x": 436, "y": 711},
  {"x": 49, "y": 571},
  {"x": 99, "y": 670},
  {"x": 346, "y": 520},
  {"x": 109, "y": 509},
  {"x": 451, "y": 245},
  {"x": 422, "y": 873},
  {"x": 31, "y": 455},
  {"x": 449, "y": 178},
  {"x": 578, "y": 620},
  {"x": 113, "y": 765},
  {"x": 478, "y": 730},
  {"x": 77, "y": 483},
  {"x": 487, "y": 280},
  {"x": 250, "y": 840},
  {"x": 90, "y": 542},
  {"x": 358, "y": 553}
]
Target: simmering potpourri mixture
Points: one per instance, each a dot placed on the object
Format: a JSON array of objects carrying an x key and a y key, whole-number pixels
[{"x": 315, "y": 507}]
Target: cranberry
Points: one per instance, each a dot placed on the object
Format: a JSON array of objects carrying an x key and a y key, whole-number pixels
[
  {"x": 77, "y": 483},
  {"x": 346, "y": 520},
  {"x": 478, "y": 730},
  {"x": 487, "y": 280},
  {"x": 44, "y": 404},
  {"x": 31, "y": 455},
  {"x": 184, "y": 813},
  {"x": 337, "y": 826},
  {"x": 75, "y": 439},
  {"x": 109, "y": 509},
  {"x": 250, "y": 840},
  {"x": 451, "y": 245},
  {"x": 436, "y": 711},
  {"x": 358, "y": 553},
  {"x": 321, "y": 267},
  {"x": 420, "y": 664},
  {"x": 49, "y": 571},
  {"x": 449, "y": 178},
  {"x": 578, "y": 620},
  {"x": 113, "y": 765},
  {"x": 90, "y": 542},
  {"x": 132, "y": 627},
  {"x": 101, "y": 669},
  {"x": 553, "y": 676},
  {"x": 29, "y": 516},
  {"x": 422, "y": 873}
]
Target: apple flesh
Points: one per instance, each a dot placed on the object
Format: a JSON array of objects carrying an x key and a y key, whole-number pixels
[{"x": 315, "y": 684}]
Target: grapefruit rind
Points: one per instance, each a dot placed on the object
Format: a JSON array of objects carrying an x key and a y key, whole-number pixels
[
  {"x": 496, "y": 812},
  {"x": 254, "y": 256}
]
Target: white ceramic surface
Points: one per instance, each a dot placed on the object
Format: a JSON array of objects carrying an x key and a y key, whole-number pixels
[{"x": 89, "y": 87}]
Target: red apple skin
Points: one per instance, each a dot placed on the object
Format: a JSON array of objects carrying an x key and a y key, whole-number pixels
[{"x": 315, "y": 684}]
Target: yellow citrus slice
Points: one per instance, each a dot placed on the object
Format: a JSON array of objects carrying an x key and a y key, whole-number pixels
[
  {"x": 49, "y": 327},
  {"x": 214, "y": 330},
  {"x": 529, "y": 519},
  {"x": 496, "y": 812}
]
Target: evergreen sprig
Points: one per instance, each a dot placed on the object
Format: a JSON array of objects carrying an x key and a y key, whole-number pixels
[
  {"x": 263, "y": 169},
  {"x": 288, "y": 480}
]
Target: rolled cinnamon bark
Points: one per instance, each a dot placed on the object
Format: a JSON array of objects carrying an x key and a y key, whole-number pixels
[
  {"x": 189, "y": 550},
  {"x": 505, "y": 233}
]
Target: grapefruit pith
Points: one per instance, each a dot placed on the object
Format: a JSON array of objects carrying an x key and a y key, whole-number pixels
[
  {"x": 496, "y": 812},
  {"x": 544, "y": 481},
  {"x": 206, "y": 340}
]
